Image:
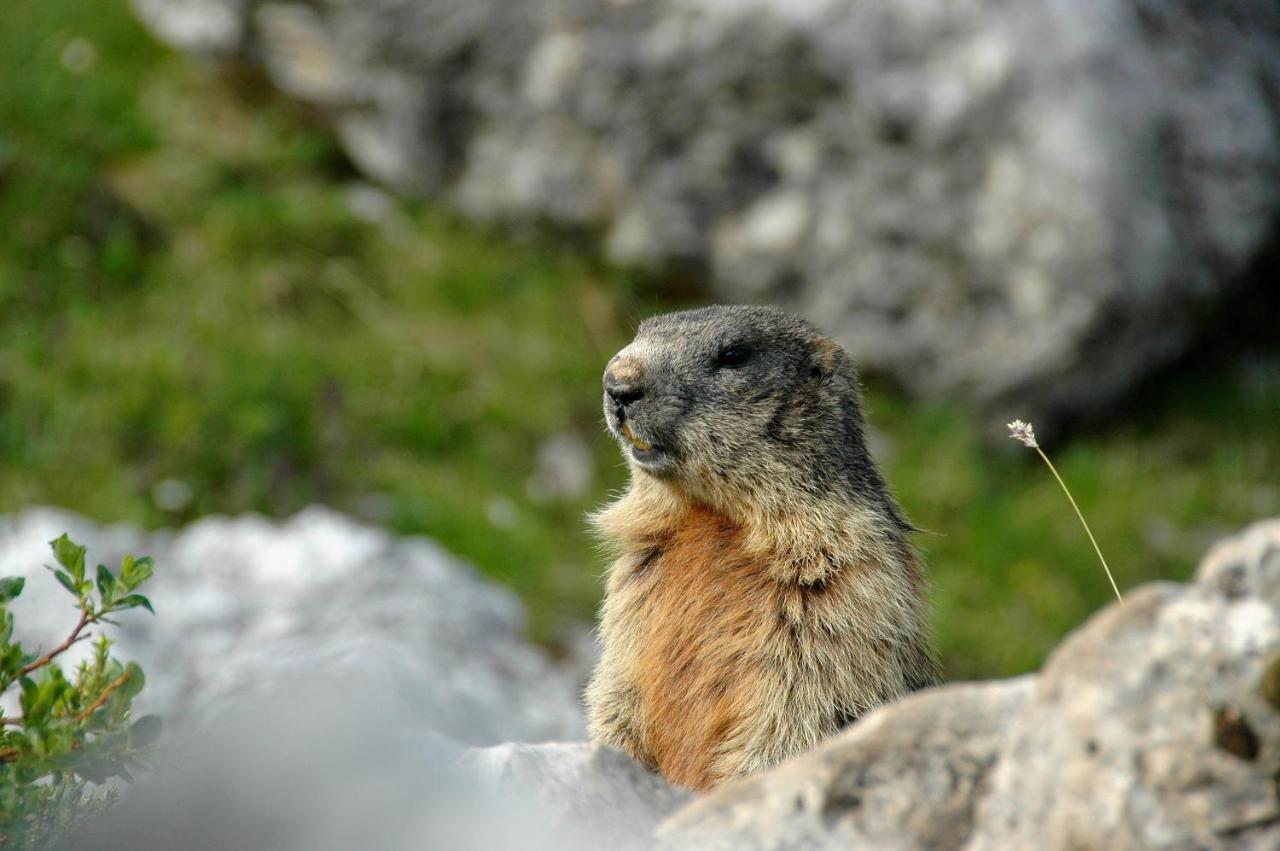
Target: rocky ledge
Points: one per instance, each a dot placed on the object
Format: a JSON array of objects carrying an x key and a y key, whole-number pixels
[
  {"x": 321, "y": 675},
  {"x": 1154, "y": 725}
]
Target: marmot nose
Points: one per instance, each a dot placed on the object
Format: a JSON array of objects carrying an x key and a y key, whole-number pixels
[{"x": 623, "y": 393}]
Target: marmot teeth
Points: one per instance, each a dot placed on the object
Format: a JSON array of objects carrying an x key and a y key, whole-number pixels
[{"x": 636, "y": 440}]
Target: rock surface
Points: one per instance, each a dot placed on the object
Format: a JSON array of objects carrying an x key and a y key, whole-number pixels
[
  {"x": 1149, "y": 727},
  {"x": 246, "y": 606},
  {"x": 340, "y": 654},
  {"x": 591, "y": 791},
  {"x": 1029, "y": 205},
  {"x": 907, "y": 777},
  {"x": 1155, "y": 725}
]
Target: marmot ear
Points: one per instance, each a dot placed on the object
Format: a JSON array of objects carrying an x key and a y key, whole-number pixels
[{"x": 827, "y": 356}]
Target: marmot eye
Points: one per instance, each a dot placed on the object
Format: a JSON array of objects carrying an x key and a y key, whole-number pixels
[{"x": 733, "y": 356}]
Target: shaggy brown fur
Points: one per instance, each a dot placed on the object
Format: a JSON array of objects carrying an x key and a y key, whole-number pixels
[{"x": 765, "y": 594}]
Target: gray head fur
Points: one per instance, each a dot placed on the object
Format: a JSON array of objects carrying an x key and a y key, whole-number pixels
[{"x": 727, "y": 399}]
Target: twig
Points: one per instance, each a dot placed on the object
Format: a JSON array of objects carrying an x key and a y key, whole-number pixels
[
  {"x": 10, "y": 754},
  {"x": 102, "y": 698},
  {"x": 85, "y": 619}
]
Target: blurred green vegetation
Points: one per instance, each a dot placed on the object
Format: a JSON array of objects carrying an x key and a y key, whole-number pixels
[{"x": 195, "y": 289}]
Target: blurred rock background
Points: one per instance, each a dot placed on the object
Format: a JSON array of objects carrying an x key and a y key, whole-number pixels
[
  {"x": 375, "y": 256},
  {"x": 254, "y": 609}
]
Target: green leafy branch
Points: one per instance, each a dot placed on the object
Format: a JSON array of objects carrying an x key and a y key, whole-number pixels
[{"x": 71, "y": 731}]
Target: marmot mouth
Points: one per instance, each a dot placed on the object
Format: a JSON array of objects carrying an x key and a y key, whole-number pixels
[
  {"x": 653, "y": 453},
  {"x": 637, "y": 441},
  {"x": 641, "y": 449}
]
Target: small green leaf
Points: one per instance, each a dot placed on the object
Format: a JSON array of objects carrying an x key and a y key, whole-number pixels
[
  {"x": 95, "y": 771},
  {"x": 106, "y": 582},
  {"x": 115, "y": 740},
  {"x": 28, "y": 694},
  {"x": 36, "y": 703},
  {"x": 97, "y": 721},
  {"x": 11, "y": 660},
  {"x": 145, "y": 731},
  {"x": 70, "y": 555},
  {"x": 133, "y": 601},
  {"x": 142, "y": 570},
  {"x": 136, "y": 681},
  {"x": 11, "y": 587},
  {"x": 67, "y": 582}
]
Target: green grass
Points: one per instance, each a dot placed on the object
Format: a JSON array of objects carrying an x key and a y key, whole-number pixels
[
  {"x": 1014, "y": 571},
  {"x": 186, "y": 293}
]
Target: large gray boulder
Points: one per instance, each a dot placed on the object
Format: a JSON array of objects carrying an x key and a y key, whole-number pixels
[
  {"x": 1149, "y": 728},
  {"x": 1029, "y": 206},
  {"x": 251, "y": 608}
]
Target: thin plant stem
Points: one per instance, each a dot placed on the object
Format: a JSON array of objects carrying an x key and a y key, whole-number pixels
[
  {"x": 1083, "y": 522},
  {"x": 102, "y": 698},
  {"x": 86, "y": 618}
]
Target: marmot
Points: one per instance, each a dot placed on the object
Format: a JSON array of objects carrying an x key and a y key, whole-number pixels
[{"x": 765, "y": 593}]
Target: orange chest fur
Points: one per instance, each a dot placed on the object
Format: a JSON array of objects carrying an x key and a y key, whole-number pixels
[{"x": 705, "y": 619}]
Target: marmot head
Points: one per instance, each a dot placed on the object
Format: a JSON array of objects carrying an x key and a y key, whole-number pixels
[{"x": 723, "y": 400}]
